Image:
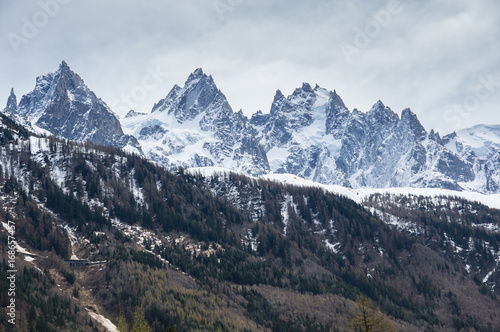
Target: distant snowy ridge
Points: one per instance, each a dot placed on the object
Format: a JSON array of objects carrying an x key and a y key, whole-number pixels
[{"x": 358, "y": 195}]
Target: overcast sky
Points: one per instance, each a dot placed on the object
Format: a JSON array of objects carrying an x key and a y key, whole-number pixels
[{"x": 440, "y": 58}]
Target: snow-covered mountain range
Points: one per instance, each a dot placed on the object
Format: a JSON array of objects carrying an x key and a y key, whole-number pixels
[{"x": 311, "y": 134}]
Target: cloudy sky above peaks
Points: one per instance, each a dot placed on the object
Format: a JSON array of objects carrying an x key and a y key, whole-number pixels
[{"x": 440, "y": 58}]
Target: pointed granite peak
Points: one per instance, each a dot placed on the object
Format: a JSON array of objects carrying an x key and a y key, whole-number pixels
[
  {"x": 198, "y": 94},
  {"x": 68, "y": 79},
  {"x": 11, "y": 102},
  {"x": 279, "y": 95},
  {"x": 410, "y": 118},
  {"x": 196, "y": 75},
  {"x": 306, "y": 87},
  {"x": 379, "y": 108},
  {"x": 382, "y": 115},
  {"x": 408, "y": 115},
  {"x": 65, "y": 70},
  {"x": 337, "y": 101},
  {"x": 63, "y": 65},
  {"x": 379, "y": 104},
  {"x": 12, "y": 98},
  {"x": 434, "y": 135}
]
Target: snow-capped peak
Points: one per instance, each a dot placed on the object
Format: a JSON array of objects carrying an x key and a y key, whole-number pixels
[
  {"x": 61, "y": 104},
  {"x": 195, "y": 126},
  {"x": 196, "y": 75},
  {"x": 194, "y": 98},
  {"x": 279, "y": 95}
]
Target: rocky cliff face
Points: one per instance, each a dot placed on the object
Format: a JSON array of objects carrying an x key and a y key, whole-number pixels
[
  {"x": 380, "y": 149},
  {"x": 61, "y": 104},
  {"x": 313, "y": 135},
  {"x": 295, "y": 138}
]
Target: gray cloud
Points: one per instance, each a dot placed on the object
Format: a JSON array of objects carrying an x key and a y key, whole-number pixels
[{"x": 431, "y": 56}]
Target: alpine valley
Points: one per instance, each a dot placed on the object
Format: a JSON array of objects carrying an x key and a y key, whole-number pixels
[{"x": 194, "y": 217}]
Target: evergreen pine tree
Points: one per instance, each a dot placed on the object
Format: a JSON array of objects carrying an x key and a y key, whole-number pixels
[{"x": 140, "y": 323}]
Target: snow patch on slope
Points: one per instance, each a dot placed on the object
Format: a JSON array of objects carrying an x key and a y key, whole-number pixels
[
  {"x": 106, "y": 323},
  {"x": 360, "y": 195}
]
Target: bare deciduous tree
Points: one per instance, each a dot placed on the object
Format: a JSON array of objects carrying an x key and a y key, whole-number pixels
[{"x": 367, "y": 317}]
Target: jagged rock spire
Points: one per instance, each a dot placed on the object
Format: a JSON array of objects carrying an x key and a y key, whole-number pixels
[{"x": 11, "y": 106}]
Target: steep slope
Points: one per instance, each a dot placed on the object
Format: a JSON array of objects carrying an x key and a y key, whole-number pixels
[
  {"x": 469, "y": 226},
  {"x": 195, "y": 126},
  {"x": 481, "y": 145},
  {"x": 232, "y": 253},
  {"x": 61, "y": 104},
  {"x": 443, "y": 238}
]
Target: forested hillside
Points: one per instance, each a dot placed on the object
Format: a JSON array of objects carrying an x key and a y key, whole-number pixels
[{"x": 228, "y": 252}]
